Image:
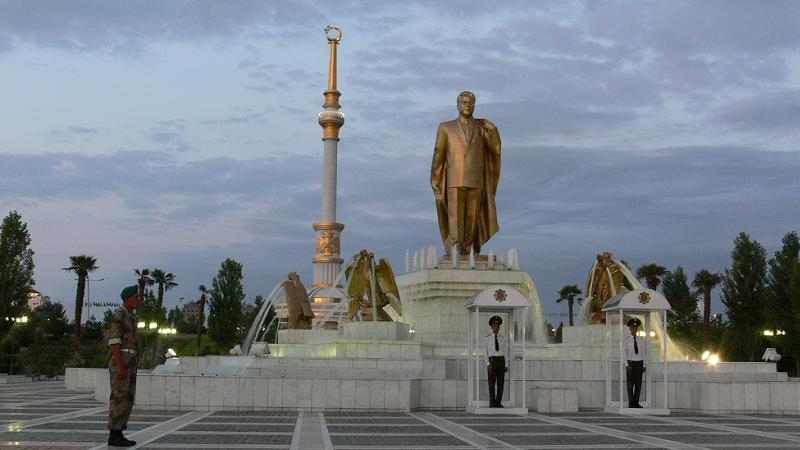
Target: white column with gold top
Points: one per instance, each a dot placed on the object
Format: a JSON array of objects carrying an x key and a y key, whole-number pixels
[{"x": 327, "y": 262}]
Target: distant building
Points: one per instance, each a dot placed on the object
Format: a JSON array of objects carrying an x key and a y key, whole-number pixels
[
  {"x": 36, "y": 299},
  {"x": 191, "y": 311}
]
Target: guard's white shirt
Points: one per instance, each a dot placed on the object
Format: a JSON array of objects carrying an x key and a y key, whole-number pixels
[
  {"x": 630, "y": 353},
  {"x": 488, "y": 345}
]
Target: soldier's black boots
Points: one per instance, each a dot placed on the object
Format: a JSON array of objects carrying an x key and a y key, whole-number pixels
[{"x": 116, "y": 439}]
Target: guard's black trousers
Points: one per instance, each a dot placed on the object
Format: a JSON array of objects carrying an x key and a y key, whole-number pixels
[
  {"x": 497, "y": 377},
  {"x": 634, "y": 382}
]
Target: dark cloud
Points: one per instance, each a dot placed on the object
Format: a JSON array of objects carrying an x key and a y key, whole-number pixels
[
  {"x": 130, "y": 27},
  {"x": 774, "y": 111}
]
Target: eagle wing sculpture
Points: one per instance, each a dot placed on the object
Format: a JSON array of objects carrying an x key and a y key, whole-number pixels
[
  {"x": 359, "y": 287},
  {"x": 387, "y": 286},
  {"x": 358, "y": 282}
]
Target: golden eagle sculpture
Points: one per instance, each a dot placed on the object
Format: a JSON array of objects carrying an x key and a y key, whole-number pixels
[
  {"x": 607, "y": 277},
  {"x": 371, "y": 287}
]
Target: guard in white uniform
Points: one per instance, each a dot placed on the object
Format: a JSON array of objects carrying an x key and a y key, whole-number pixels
[
  {"x": 635, "y": 352},
  {"x": 495, "y": 356}
]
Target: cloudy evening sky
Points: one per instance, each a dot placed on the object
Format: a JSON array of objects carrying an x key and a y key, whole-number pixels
[{"x": 176, "y": 134}]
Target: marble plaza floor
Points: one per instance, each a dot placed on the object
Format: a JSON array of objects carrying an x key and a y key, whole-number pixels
[{"x": 47, "y": 416}]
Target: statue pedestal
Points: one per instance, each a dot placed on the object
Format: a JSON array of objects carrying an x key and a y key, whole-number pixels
[
  {"x": 376, "y": 331},
  {"x": 307, "y": 336},
  {"x": 433, "y": 301}
]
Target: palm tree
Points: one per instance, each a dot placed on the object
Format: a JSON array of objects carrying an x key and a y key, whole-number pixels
[
  {"x": 165, "y": 281},
  {"x": 203, "y": 291},
  {"x": 143, "y": 279},
  {"x": 568, "y": 294},
  {"x": 652, "y": 274},
  {"x": 705, "y": 282},
  {"x": 82, "y": 265}
]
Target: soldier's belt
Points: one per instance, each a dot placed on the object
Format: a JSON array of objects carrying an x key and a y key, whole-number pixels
[{"x": 128, "y": 350}]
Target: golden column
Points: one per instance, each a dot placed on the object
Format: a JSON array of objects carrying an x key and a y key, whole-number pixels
[{"x": 326, "y": 263}]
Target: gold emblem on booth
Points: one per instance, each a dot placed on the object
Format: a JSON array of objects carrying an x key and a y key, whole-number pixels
[
  {"x": 644, "y": 298},
  {"x": 500, "y": 295}
]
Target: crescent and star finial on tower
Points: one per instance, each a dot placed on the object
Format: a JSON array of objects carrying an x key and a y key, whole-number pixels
[{"x": 331, "y": 119}]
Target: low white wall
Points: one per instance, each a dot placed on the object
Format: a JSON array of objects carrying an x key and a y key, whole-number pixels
[
  {"x": 198, "y": 393},
  {"x": 435, "y": 384},
  {"x": 81, "y": 379}
]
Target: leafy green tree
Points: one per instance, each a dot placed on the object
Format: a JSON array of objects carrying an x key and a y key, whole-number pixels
[
  {"x": 92, "y": 330},
  {"x": 149, "y": 311},
  {"x": 794, "y": 294},
  {"x": 782, "y": 299},
  {"x": 684, "y": 318},
  {"x": 107, "y": 315},
  {"x": 251, "y": 311},
  {"x": 50, "y": 321},
  {"x": 652, "y": 274},
  {"x": 82, "y": 265},
  {"x": 705, "y": 282},
  {"x": 227, "y": 295},
  {"x": 16, "y": 268},
  {"x": 202, "y": 317},
  {"x": 744, "y": 290},
  {"x": 175, "y": 315},
  {"x": 569, "y": 294},
  {"x": 165, "y": 282},
  {"x": 47, "y": 358}
]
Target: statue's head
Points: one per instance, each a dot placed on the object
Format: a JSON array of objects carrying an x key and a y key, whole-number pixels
[
  {"x": 465, "y": 103},
  {"x": 293, "y": 276}
]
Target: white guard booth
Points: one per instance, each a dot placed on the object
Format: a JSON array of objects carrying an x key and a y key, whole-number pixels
[
  {"x": 647, "y": 305},
  {"x": 499, "y": 300}
]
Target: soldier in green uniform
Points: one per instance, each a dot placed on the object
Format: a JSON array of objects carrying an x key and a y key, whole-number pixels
[{"x": 122, "y": 367}]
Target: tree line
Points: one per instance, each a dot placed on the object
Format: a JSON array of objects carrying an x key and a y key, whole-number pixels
[
  {"x": 757, "y": 292},
  {"x": 48, "y": 341}
]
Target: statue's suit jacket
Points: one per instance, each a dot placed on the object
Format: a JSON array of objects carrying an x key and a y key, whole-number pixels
[{"x": 467, "y": 161}]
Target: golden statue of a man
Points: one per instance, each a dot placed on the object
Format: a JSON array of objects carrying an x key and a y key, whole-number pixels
[{"x": 464, "y": 175}]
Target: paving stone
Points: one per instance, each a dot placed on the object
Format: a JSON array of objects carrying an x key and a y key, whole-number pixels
[
  {"x": 231, "y": 430},
  {"x": 403, "y": 429},
  {"x": 367, "y": 420},
  {"x": 78, "y": 426},
  {"x": 724, "y": 438},
  {"x": 243, "y": 428},
  {"x": 653, "y": 428},
  {"x": 215, "y": 439},
  {"x": 394, "y": 440},
  {"x": 219, "y": 419},
  {"x": 255, "y": 413},
  {"x": 483, "y": 420},
  {"x": 775, "y": 428},
  {"x": 526, "y": 428},
  {"x": 729, "y": 420},
  {"x": 562, "y": 439},
  {"x": 32, "y": 436},
  {"x": 611, "y": 420}
]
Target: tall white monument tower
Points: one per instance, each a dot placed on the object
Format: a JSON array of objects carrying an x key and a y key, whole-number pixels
[{"x": 326, "y": 262}]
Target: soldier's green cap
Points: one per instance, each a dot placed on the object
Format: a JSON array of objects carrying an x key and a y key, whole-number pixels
[{"x": 128, "y": 291}]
